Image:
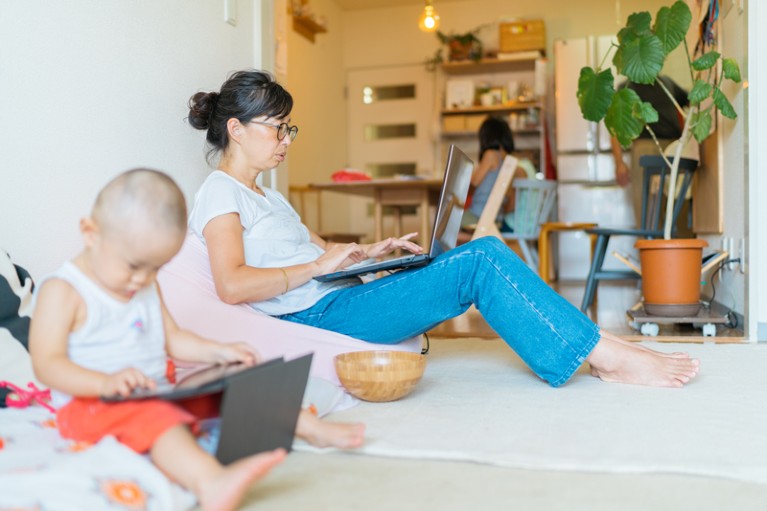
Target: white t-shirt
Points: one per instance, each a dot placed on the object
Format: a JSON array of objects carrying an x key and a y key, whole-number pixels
[{"x": 273, "y": 237}]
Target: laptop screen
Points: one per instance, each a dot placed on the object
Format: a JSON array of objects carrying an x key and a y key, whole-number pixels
[{"x": 452, "y": 200}]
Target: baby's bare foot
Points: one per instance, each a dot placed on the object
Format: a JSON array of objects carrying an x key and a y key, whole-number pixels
[
  {"x": 321, "y": 433},
  {"x": 225, "y": 491},
  {"x": 621, "y": 362}
]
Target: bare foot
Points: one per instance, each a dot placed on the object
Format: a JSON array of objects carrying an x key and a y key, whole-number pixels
[
  {"x": 225, "y": 491},
  {"x": 618, "y": 361},
  {"x": 321, "y": 433},
  {"x": 675, "y": 354}
]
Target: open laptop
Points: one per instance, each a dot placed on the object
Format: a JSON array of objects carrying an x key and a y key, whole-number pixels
[
  {"x": 260, "y": 404},
  {"x": 447, "y": 222}
]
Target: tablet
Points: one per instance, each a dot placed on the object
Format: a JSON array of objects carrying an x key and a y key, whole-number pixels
[{"x": 195, "y": 382}]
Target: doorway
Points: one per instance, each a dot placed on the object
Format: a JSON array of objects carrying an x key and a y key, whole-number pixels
[{"x": 390, "y": 131}]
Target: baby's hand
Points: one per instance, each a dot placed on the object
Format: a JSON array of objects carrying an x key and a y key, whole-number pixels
[
  {"x": 237, "y": 352},
  {"x": 123, "y": 382}
]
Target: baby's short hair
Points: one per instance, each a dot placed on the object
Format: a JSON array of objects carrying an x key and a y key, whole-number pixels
[{"x": 140, "y": 198}]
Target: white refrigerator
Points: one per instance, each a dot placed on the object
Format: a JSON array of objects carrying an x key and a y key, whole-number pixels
[{"x": 587, "y": 191}]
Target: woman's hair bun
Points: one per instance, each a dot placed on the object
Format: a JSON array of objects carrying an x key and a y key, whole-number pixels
[{"x": 201, "y": 107}]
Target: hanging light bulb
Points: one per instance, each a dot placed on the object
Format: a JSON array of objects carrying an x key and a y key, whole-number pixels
[{"x": 429, "y": 21}]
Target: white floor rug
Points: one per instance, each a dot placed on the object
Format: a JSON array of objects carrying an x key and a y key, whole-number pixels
[{"x": 478, "y": 402}]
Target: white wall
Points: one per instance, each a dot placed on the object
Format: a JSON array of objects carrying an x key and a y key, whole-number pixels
[
  {"x": 757, "y": 183},
  {"x": 733, "y": 160},
  {"x": 93, "y": 87},
  {"x": 316, "y": 79}
]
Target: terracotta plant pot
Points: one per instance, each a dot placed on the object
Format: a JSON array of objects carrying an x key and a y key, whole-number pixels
[
  {"x": 671, "y": 276},
  {"x": 460, "y": 50}
]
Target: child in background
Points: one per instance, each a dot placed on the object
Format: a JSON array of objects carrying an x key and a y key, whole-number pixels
[
  {"x": 100, "y": 328},
  {"x": 495, "y": 143}
]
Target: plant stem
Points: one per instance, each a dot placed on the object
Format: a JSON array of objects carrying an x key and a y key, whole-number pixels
[
  {"x": 671, "y": 97},
  {"x": 601, "y": 64},
  {"x": 657, "y": 143},
  {"x": 672, "y": 182},
  {"x": 689, "y": 60}
]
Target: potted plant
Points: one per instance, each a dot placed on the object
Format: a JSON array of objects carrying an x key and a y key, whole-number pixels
[
  {"x": 466, "y": 46},
  {"x": 462, "y": 46},
  {"x": 640, "y": 53}
]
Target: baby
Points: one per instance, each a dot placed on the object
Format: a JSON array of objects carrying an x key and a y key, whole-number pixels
[{"x": 101, "y": 328}]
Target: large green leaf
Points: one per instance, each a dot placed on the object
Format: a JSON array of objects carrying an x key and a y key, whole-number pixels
[
  {"x": 595, "y": 92},
  {"x": 701, "y": 125},
  {"x": 620, "y": 118},
  {"x": 640, "y": 59},
  {"x": 645, "y": 112},
  {"x": 731, "y": 70},
  {"x": 723, "y": 104},
  {"x": 671, "y": 24},
  {"x": 637, "y": 24},
  {"x": 701, "y": 89},
  {"x": 705, "y": 61}
]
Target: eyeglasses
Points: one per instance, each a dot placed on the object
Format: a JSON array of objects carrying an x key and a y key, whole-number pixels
[{"x": 282, "y": 129}]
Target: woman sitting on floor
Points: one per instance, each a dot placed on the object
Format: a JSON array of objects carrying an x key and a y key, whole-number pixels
[{"x": 261, "y": 254}]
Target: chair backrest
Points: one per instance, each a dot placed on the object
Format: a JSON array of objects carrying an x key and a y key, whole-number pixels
[
  {"x": 486, "y": 225},
  {"x": 654, "y": 179},
  {"x": 533, "y": 206}
]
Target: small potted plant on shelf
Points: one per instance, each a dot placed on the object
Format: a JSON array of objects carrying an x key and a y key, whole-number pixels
[
  {"x": 465, "y": 46},
  {"x": 462, "y": 46},
  {"x": 640, "y": 53}
]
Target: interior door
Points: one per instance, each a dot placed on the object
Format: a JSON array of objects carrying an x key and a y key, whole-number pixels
[{"x": 390, "y": 130}]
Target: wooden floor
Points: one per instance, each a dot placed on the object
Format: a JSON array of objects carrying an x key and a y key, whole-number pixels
[{"x": 613, "y": 300}]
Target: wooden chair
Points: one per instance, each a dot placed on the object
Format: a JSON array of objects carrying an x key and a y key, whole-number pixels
[
  {"x": 487, "y": 223},
  {"x": 534, "y": 205},
  {"x": 545, "y": 260}
]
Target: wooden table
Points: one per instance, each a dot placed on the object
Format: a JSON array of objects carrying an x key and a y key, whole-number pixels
[{"x": 396, "y": 193}]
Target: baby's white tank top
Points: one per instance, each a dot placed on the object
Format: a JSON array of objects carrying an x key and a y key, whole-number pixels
[{"x": 116, "y": 335}]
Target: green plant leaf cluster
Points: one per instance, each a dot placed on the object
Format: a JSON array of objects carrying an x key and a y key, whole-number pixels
[
  {"x": 641, "y": 51},
  {"x": 465, "y": 39}
]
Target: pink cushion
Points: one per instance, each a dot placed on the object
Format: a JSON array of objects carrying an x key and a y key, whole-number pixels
[{"x": 189, "y": 293}]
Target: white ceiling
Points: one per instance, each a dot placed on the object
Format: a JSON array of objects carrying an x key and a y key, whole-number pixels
[{"x": 357, "y": 5}]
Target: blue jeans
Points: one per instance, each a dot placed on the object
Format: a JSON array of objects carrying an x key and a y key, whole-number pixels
[{"x": 547, "y": 332}]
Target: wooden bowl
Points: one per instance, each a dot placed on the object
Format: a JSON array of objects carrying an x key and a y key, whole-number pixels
[{"x": 379, "y": 375}]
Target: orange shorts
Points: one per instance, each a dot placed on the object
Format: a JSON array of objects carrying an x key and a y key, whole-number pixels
[{"x": 137, "y": 424}]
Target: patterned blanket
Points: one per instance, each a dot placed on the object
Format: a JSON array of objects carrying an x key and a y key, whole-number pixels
[{"x": 40, "y": 470}]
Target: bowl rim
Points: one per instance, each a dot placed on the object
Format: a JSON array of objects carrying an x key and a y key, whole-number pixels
[{"x": 408, "y": 354}]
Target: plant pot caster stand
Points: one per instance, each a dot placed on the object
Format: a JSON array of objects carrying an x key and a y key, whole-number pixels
[{"x": 706, "y": 319}]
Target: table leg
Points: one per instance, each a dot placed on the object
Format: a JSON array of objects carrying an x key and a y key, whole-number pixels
[
  {"x": 423, "y": 209},
  {"x": 544, "y": 252},
  {"x": 378, "y": 211},
  {"x": 397, "y": 220},
  {"x": 318, "y": 211}
]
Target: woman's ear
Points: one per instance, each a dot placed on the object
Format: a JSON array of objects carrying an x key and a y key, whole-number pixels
[{"x": 234, "y": 127}]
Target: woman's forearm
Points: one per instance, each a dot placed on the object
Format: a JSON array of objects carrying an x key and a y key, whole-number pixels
[{"x": 248, "y": 284}]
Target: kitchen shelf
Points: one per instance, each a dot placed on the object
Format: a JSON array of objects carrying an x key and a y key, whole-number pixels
[
  {"x": 519, "y": 61},
  {"x": 517, "y": 132},
  {"x": 307, "y": 27},
  {"x": 479, "y": 109},
  {"x": 458, "y": 125}
]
